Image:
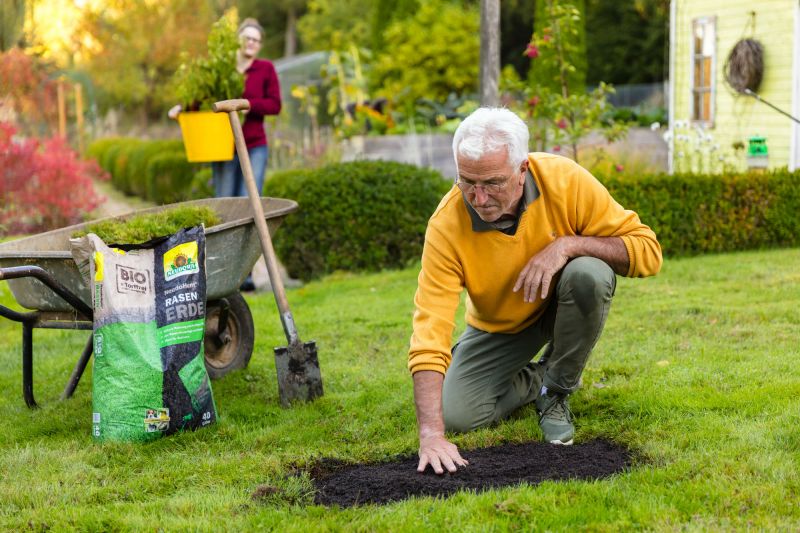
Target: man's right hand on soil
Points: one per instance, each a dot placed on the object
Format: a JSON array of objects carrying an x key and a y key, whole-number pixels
[{"x": 435, "y": 450}]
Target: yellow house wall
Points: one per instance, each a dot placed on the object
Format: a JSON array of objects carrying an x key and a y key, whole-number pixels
[{"x": 737, "y": 117}]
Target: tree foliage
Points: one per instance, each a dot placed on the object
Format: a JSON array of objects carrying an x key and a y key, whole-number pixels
[
  {"x": 26, "y": 88},
  {"x": 560, "y": 108},
  {"x": 139, "y": 46},
  {"x": 277, "y": 17},
  {"x": 635, "y": 51},
  {"x": 516, "y": 23},
  {"x": 131, "y": 48},
  {"x": 549, "y": 13},
  {"x": 384, "y": 13},
  {"x": 335, "y": 24},
  {"x": 430, "y": 55}
]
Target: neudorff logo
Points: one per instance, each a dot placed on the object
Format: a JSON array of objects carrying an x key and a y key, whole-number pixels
[{"x": 181, "y": 261}]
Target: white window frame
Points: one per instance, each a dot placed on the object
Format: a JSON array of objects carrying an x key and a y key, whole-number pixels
[
  {"x": 712, "y": 22},
  {"x": 794, "y": 147}
]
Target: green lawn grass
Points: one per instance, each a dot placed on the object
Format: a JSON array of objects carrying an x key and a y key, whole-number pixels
[{"x": 696, "y": 372}]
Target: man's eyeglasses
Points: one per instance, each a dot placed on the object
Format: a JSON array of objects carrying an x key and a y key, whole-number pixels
[
  {"x": 251, "y": 40},
  {"x": 489, "y": 187}
]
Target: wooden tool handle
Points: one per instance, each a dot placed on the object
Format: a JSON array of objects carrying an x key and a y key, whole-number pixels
[{"x": 229, "y": 106}]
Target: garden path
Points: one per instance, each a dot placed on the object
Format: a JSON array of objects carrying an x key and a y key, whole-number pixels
[{"x": 115, "y": 203}]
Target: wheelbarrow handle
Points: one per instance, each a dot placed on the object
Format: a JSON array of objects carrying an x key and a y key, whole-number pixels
[
  {"x": 45, "y": 277},
  {"x": 228, "y": 106}
]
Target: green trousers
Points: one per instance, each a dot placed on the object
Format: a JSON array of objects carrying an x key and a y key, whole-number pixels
[{"x": 493, "y": 374}]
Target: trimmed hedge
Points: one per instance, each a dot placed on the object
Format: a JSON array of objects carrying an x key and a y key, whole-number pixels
[
  {"x": 365, "y": 215},
  {"x": 119, "y": 168},
  {"x": 201, "y": 184},
  {"x": 97, "y": 149},
  {"x": 140, "y": 157},
  {"x": 108, "y": 158},
  {"x": 372, "y": 215},
  {"x": 170, "y": 178},
  {"x": 694, "y": 214},
  {"x": 128, "y": 160}
]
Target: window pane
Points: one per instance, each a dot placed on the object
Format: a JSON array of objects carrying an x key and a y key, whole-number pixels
[
  {"x": 696, "y": 109},
  {"x": 698, "y": 81},
  {"x": 698, "y": 29},
  {"x": 708, "y": 39},
  {"x": 707, "y": 72},
  {"x": 703, "y": 76}
]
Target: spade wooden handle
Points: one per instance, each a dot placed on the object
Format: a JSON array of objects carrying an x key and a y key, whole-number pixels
[
  {"x": 228, "y": 106},
  {"x": 231, "y": 107}
]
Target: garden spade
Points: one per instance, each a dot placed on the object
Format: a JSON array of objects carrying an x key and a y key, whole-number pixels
[{"x": 299, "y": 377}]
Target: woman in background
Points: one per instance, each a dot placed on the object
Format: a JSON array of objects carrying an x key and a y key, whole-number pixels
[{"x": 262, "y": 90}]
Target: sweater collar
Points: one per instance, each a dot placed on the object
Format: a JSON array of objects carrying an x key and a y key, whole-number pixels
[{"x": 530, "y": 192}]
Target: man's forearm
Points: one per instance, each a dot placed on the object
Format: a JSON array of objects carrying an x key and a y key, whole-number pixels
[
  {"x": 428, "y": 401},
  {"x": 612, "y": 250}
]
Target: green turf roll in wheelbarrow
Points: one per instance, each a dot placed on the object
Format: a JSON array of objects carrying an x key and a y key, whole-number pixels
[{"x": 43, "y": 277}]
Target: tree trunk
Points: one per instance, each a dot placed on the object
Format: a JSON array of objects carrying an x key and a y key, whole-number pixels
[
  {"x": 490, "y": 52},
  {"x": 290, "y": 43}
]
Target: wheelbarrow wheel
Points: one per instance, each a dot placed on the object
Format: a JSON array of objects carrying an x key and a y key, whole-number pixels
[{"x": 229, "y": 335}]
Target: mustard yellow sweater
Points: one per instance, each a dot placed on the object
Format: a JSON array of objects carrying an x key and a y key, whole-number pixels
[{"x": 570, "y": 202}]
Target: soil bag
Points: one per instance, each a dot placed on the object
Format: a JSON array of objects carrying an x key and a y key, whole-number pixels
[{"x": 149, "y": 376}]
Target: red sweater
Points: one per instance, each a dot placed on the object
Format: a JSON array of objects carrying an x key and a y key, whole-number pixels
[{"x": 262, "y": 89}]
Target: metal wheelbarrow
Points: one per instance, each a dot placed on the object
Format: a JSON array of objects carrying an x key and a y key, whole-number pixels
[{"x": 44, "y": 278}]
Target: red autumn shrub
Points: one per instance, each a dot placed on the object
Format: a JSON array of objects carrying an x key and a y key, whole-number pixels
[{"x": 43, "y": 184}]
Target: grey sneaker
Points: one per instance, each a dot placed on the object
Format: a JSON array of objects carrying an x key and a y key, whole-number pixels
[{"x": 555, "y": 418}]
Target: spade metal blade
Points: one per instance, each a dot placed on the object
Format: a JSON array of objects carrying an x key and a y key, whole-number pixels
[{"x": 299, "y": 377}]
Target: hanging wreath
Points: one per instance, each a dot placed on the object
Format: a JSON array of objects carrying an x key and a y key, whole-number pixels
[{"x": 744, "y": 68}]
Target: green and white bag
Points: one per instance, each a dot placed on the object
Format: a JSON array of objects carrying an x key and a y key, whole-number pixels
[{"x": 149, "y": 376}]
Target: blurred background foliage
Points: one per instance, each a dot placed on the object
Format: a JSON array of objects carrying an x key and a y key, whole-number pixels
[
  {"x": 130, "y": 48},
  {"x": 347, "y": 68}
]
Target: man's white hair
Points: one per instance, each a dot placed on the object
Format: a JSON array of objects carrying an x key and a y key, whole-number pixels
[{"x": 489, "y": 129}]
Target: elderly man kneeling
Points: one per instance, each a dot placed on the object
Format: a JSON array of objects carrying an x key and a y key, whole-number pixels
[{"x": 537, "y": 243}]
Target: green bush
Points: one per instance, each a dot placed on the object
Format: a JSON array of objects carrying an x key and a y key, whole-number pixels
[
  {"x": 431, "y": 54},
  {"x": 694, "y": 214},
  {"x": 119, "y": 169},
  {"x": 365, "y": 215},
  {"x": 372, "y": 215},
  {"x": 108, "y": 162},
  {"x": 108, "y": 154},
  {"x": 141, "y": 156},
  {"x": 98, "y": 149},
  {"x": 112, "y": 156},
  {"x": 638, "y": 115},
  {"x": 169, "y": 178},
  {"x": 128, "y": 160},
  {"x": 201, "y": 186}
]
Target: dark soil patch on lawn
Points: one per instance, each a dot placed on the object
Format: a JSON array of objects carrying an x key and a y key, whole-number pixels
[{"x": 498, "y": 466}]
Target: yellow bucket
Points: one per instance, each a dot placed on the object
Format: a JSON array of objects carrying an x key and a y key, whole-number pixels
[{"x": 207, "y": 136}]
